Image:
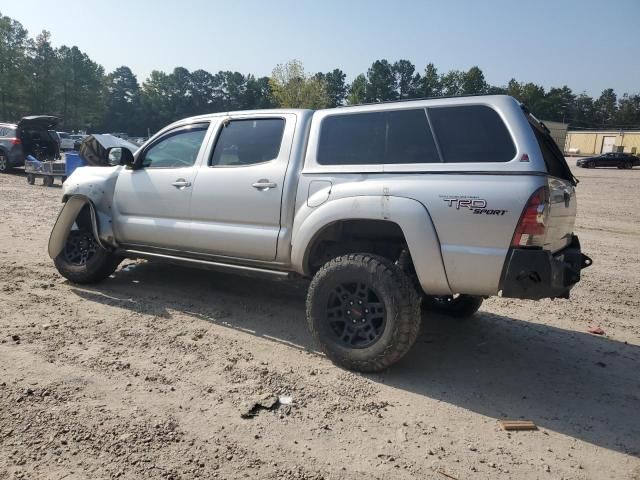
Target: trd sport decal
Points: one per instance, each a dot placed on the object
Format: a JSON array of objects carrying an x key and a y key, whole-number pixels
[{"x": 474, "y": 204}]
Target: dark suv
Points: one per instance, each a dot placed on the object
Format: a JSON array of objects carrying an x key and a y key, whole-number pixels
[
  {"x": 11, "y": 154},
  {"x": 31, "y": 136}
]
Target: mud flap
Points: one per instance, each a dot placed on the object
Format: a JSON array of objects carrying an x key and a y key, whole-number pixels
[{"x": 65, "y": 221}]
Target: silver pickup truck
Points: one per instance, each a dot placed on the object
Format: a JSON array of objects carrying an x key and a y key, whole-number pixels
[{"x": 387, "y": 208}]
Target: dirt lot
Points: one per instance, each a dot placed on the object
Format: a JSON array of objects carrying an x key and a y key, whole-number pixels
[{"x": 146, "y": 375}]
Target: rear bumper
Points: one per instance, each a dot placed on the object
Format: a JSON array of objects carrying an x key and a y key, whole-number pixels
[{"x": 536, "y": 274}]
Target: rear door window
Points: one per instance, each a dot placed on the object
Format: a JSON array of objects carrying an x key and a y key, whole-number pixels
[
  {"x": 248, "y": 142},
  {"x": 388, "y": 137},
  {"x": 471, "y": 134}
]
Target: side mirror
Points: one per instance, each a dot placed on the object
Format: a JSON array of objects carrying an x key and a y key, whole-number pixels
[{"x": 121, "y": 156}]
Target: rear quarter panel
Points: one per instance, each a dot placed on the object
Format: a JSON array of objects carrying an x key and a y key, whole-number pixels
[
  {"x": 475, "y": 217},
  {"x": 471, "y": 244}
]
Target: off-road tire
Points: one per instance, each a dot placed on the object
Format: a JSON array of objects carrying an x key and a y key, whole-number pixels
[
  {"x": 394, "y": 290},
  {"x": 4, "y": 163},
  {"x": 31, "y": 179},
  {"x": 47, "y": 181},
  {"x": 102, "y": 264},
  {"x": 463, "y": 306}
]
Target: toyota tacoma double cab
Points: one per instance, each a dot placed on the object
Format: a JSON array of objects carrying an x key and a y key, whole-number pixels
[{"x": 387, "y": 208}]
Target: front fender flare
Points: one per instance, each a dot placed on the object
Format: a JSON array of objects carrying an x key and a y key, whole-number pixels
[
  {"x": 65, "y": 221},
  {"x": 410, "y": 215}
]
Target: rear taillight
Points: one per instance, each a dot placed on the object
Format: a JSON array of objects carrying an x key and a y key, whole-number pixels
[
  {"x": 16, "y": 141},
  {"x": 531, "y": 227}
]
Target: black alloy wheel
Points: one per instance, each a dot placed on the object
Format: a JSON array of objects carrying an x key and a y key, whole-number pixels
[
  {"x": 355, "y": 315},
  {"x": 80, "y": 248},
  {"x": 364, "y": 311}
]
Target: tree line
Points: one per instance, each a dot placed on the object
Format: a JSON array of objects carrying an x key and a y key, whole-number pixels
[{"x": 36, "y": 78}]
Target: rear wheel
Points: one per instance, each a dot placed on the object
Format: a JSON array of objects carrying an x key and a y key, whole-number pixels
[
  {"x": 83, "y": 260},
  {"x": 363, "y": 311},
  {"x": 4, "y": 163},
  {"x": 460, "y": 306}
]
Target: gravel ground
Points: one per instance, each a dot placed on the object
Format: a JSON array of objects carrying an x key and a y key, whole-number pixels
[{"x": 146, "y": 375}]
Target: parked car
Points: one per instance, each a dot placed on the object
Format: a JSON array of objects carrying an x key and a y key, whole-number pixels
[
  {"x": 448, "y": 200},
  {"x": 612, "y": 159},
  {"x": 31, "y": 136},
  {"x": 77, "y": 140},
  {"x": 66, "y": 141}
]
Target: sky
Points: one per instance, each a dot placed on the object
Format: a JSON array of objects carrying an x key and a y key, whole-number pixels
[{"x": 588, "y": 45}]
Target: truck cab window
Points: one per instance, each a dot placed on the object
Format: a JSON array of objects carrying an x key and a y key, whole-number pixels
[
  {"x": 247, "y": 142},
  {"x": 175, "y": 151}
]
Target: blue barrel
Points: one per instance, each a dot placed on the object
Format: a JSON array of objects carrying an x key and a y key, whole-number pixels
[{"x": 72, "y": 161}]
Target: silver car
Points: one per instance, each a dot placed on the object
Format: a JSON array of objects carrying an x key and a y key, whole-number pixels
[{"x": 387, "y": 208}]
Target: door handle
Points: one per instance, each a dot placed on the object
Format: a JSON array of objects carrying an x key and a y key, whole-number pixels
[
  {"x": 264, "y": 184},
  {"x": 181, "y": 183}
]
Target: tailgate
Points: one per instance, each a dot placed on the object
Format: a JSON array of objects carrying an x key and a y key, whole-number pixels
[
  {"x": 562, "y": 190},
  {"x": 562, "y": 214}
]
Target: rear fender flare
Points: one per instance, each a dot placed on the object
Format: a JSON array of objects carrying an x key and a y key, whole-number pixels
[
  {"x": 410, "y": 215},
  {"x": 65, "y": 221}
]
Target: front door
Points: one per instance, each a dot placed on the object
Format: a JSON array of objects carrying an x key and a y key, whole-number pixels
[
  {"x": 152, "y": 200},
  {"x": 236, "y": 201}
]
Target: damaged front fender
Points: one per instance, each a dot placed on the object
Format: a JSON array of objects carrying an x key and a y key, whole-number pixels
[{"x": 66, "y": 219}]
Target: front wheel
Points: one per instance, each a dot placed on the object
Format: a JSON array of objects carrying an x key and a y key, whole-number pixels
[
  {"x": 460, "y": 306},
  {"x": 83, "y": 260},
  {"x": 363, "y": 311}
]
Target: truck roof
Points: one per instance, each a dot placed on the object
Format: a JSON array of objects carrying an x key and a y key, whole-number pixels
[{"x": 388, "y": 105}]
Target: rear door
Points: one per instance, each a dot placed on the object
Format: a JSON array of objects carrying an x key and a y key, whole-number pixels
[{"x": 237, "y": 196}]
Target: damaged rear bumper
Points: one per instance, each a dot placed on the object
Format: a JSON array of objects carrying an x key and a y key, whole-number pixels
[{"x": 535, "y": 274}]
